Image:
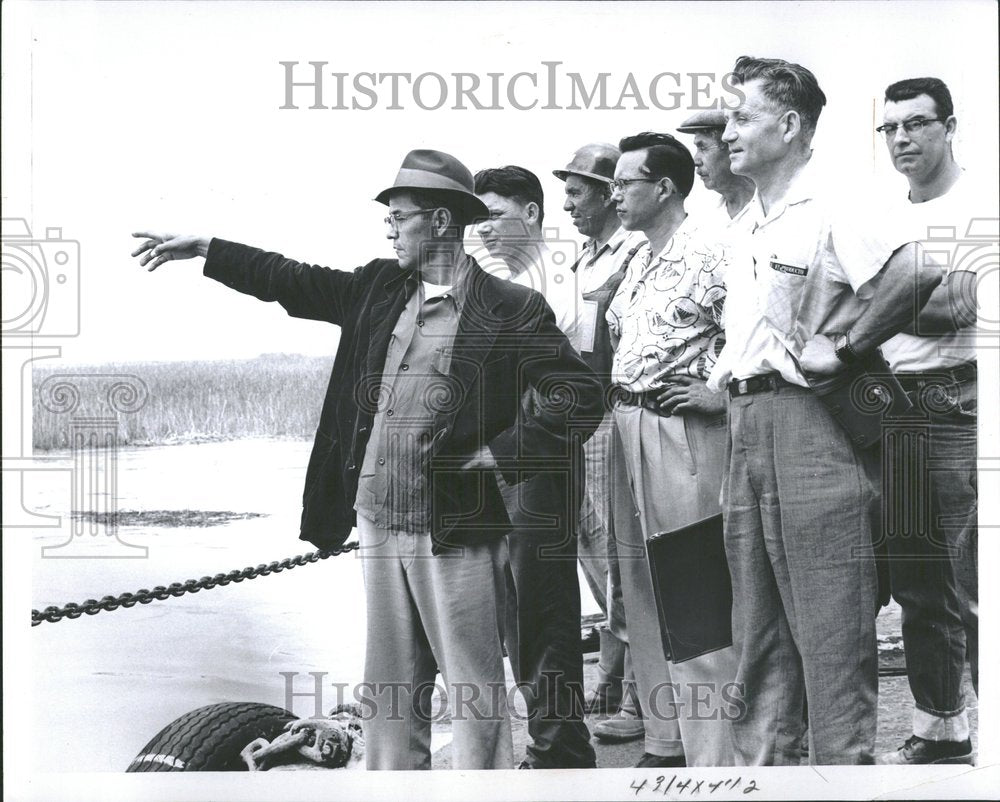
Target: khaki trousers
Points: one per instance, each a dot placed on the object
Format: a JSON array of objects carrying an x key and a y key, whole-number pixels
[
  {"x": 427, "y": 613},
  {"x": 668, "y": 472}
]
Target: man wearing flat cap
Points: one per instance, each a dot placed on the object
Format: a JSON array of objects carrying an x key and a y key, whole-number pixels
[
  {"x": 606, "y": 255},
  {"x": 422, "y": 409},
  {"x": 711, "y": 163}
]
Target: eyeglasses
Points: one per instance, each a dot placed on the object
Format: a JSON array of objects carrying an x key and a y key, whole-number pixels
[
  {"x": 914, "y": 126},
  {"x": 395, "y": 218},
  {"x": 620, "y": 184}
]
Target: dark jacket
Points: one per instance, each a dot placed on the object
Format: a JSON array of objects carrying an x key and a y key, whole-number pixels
[{"x": 507, "y": 340}]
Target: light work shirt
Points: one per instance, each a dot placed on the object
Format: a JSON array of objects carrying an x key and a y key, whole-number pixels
[
  {"x": 958, "y": 231},
  {"x": 597, "y": 265},
  {"x": 594, "y": 268},
  {"x": 550, "y": 272},
  {"x": 394, "y": 482},
  {"x": 802, "y": 269}
]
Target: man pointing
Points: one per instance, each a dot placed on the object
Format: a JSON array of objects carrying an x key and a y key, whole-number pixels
[{"x": 422, "y": 407}]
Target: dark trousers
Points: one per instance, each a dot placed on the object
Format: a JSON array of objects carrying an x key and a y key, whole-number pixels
[
  {"x": 930, "y": 528},
  {"x": 543, "y": 617}
]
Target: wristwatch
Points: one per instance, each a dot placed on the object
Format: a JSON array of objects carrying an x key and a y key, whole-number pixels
[{"x": 845, "y": 351}]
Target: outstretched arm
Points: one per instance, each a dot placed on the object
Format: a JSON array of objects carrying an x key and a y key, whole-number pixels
[{"x": 305, "y": 291}]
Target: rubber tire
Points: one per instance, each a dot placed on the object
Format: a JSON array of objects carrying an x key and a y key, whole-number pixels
[{"x": 211, "y": 738}]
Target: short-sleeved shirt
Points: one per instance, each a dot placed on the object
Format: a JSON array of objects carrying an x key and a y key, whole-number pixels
[
  {"x": 712, "y": 218},
  {"x": 597, "y": 264},
  {"x": 953, "y": 229},
  {"x": 550, "y": 273},
  {"x": 594, "y": 269},
  {"x": 666, "y": 312},
  {"x": 802, "y": 269},
  {"x": 393, "y": 485}
]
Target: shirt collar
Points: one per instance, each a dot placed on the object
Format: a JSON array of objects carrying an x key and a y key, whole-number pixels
[
  {"x": 411, "y": 280},
  {"x": 614, "y": 242},
  {"x": 617, "y": 239},
  {"x": 676, "y": 246},
  {"x": 804, "y": 186},
  {"x": 463, "y": 274}
]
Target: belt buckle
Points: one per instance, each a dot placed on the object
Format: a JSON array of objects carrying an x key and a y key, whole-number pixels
[{"x": 741, "y": 387}]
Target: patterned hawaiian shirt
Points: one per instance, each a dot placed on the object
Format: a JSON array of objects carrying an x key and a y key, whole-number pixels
[{"x": 667, "y": 312}]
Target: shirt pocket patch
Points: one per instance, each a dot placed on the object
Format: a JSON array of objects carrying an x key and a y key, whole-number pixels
[{"x": 784, "y": 283}]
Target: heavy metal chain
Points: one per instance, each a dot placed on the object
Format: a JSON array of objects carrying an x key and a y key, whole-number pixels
[{"x": 177, "y": 589}]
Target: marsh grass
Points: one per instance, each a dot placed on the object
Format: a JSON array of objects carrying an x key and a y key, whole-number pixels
[{"x": 274, "y": 395}]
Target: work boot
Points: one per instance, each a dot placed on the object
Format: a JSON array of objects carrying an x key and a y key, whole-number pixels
[
  {"x": 651, "y": 761},
  {"x": 919, "y": 751},
  {"x": 622, "y": 727},
  {"x": 606, "y": 698},
  {"x": 625, "y": 725}
]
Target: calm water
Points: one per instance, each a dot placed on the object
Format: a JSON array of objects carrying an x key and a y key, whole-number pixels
[{"x": 104, "y": 685}]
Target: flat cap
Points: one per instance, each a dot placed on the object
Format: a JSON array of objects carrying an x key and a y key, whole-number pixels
[{"x": 708, "y": 120}]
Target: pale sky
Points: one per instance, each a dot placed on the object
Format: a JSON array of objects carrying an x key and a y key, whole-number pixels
[{"x": 124, "y": 116}]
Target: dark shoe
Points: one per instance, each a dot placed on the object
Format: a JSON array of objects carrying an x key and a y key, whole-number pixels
[
  {"x": 648, "y": 761},
  {"x": 622, "y": 727},
  {"x": 526, "y": 764},
  {"x": 919, "y": 751},
  {"x": 605, "y": 699}
]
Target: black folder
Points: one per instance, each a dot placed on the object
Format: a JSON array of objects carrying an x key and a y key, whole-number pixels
[{"x": 693, "y": 589}]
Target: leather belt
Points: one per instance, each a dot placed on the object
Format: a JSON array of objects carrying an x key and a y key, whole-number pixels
[
  {"x": 967, "y": 371},
  {"x": 757, "y": 384},
  {"x": 645, "y": 399}
]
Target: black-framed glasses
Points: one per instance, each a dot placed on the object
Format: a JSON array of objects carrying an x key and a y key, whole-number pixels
[
  {"x": 914, "y": 126},
  {"x": 395, "y": 218},
  {"x": 620, "y": 184}
]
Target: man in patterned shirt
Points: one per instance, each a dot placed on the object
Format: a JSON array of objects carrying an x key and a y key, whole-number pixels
[{"x": 672, "y": 429}]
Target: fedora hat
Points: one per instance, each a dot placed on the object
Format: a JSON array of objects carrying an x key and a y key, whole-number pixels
[
  {"x": 708, "y": 120},
  {"x": 440, "y": 172},
  {"x": 595, "y": 161}
]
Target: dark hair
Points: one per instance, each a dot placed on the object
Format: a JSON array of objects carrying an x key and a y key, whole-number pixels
[
  {"x": 913, "y": 87},
  {"x": 786, "y": 84},
  {"x": 437, "y": 199},
  {"x": 512, "y": 182},
  {"x": 665, "y": 158}
]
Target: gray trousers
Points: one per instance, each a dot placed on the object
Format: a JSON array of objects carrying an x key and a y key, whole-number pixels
[
  {"x": 426, "y": 613},
  {"x": 668, "y": 474},
  {"x": 798, "y": 510}
]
